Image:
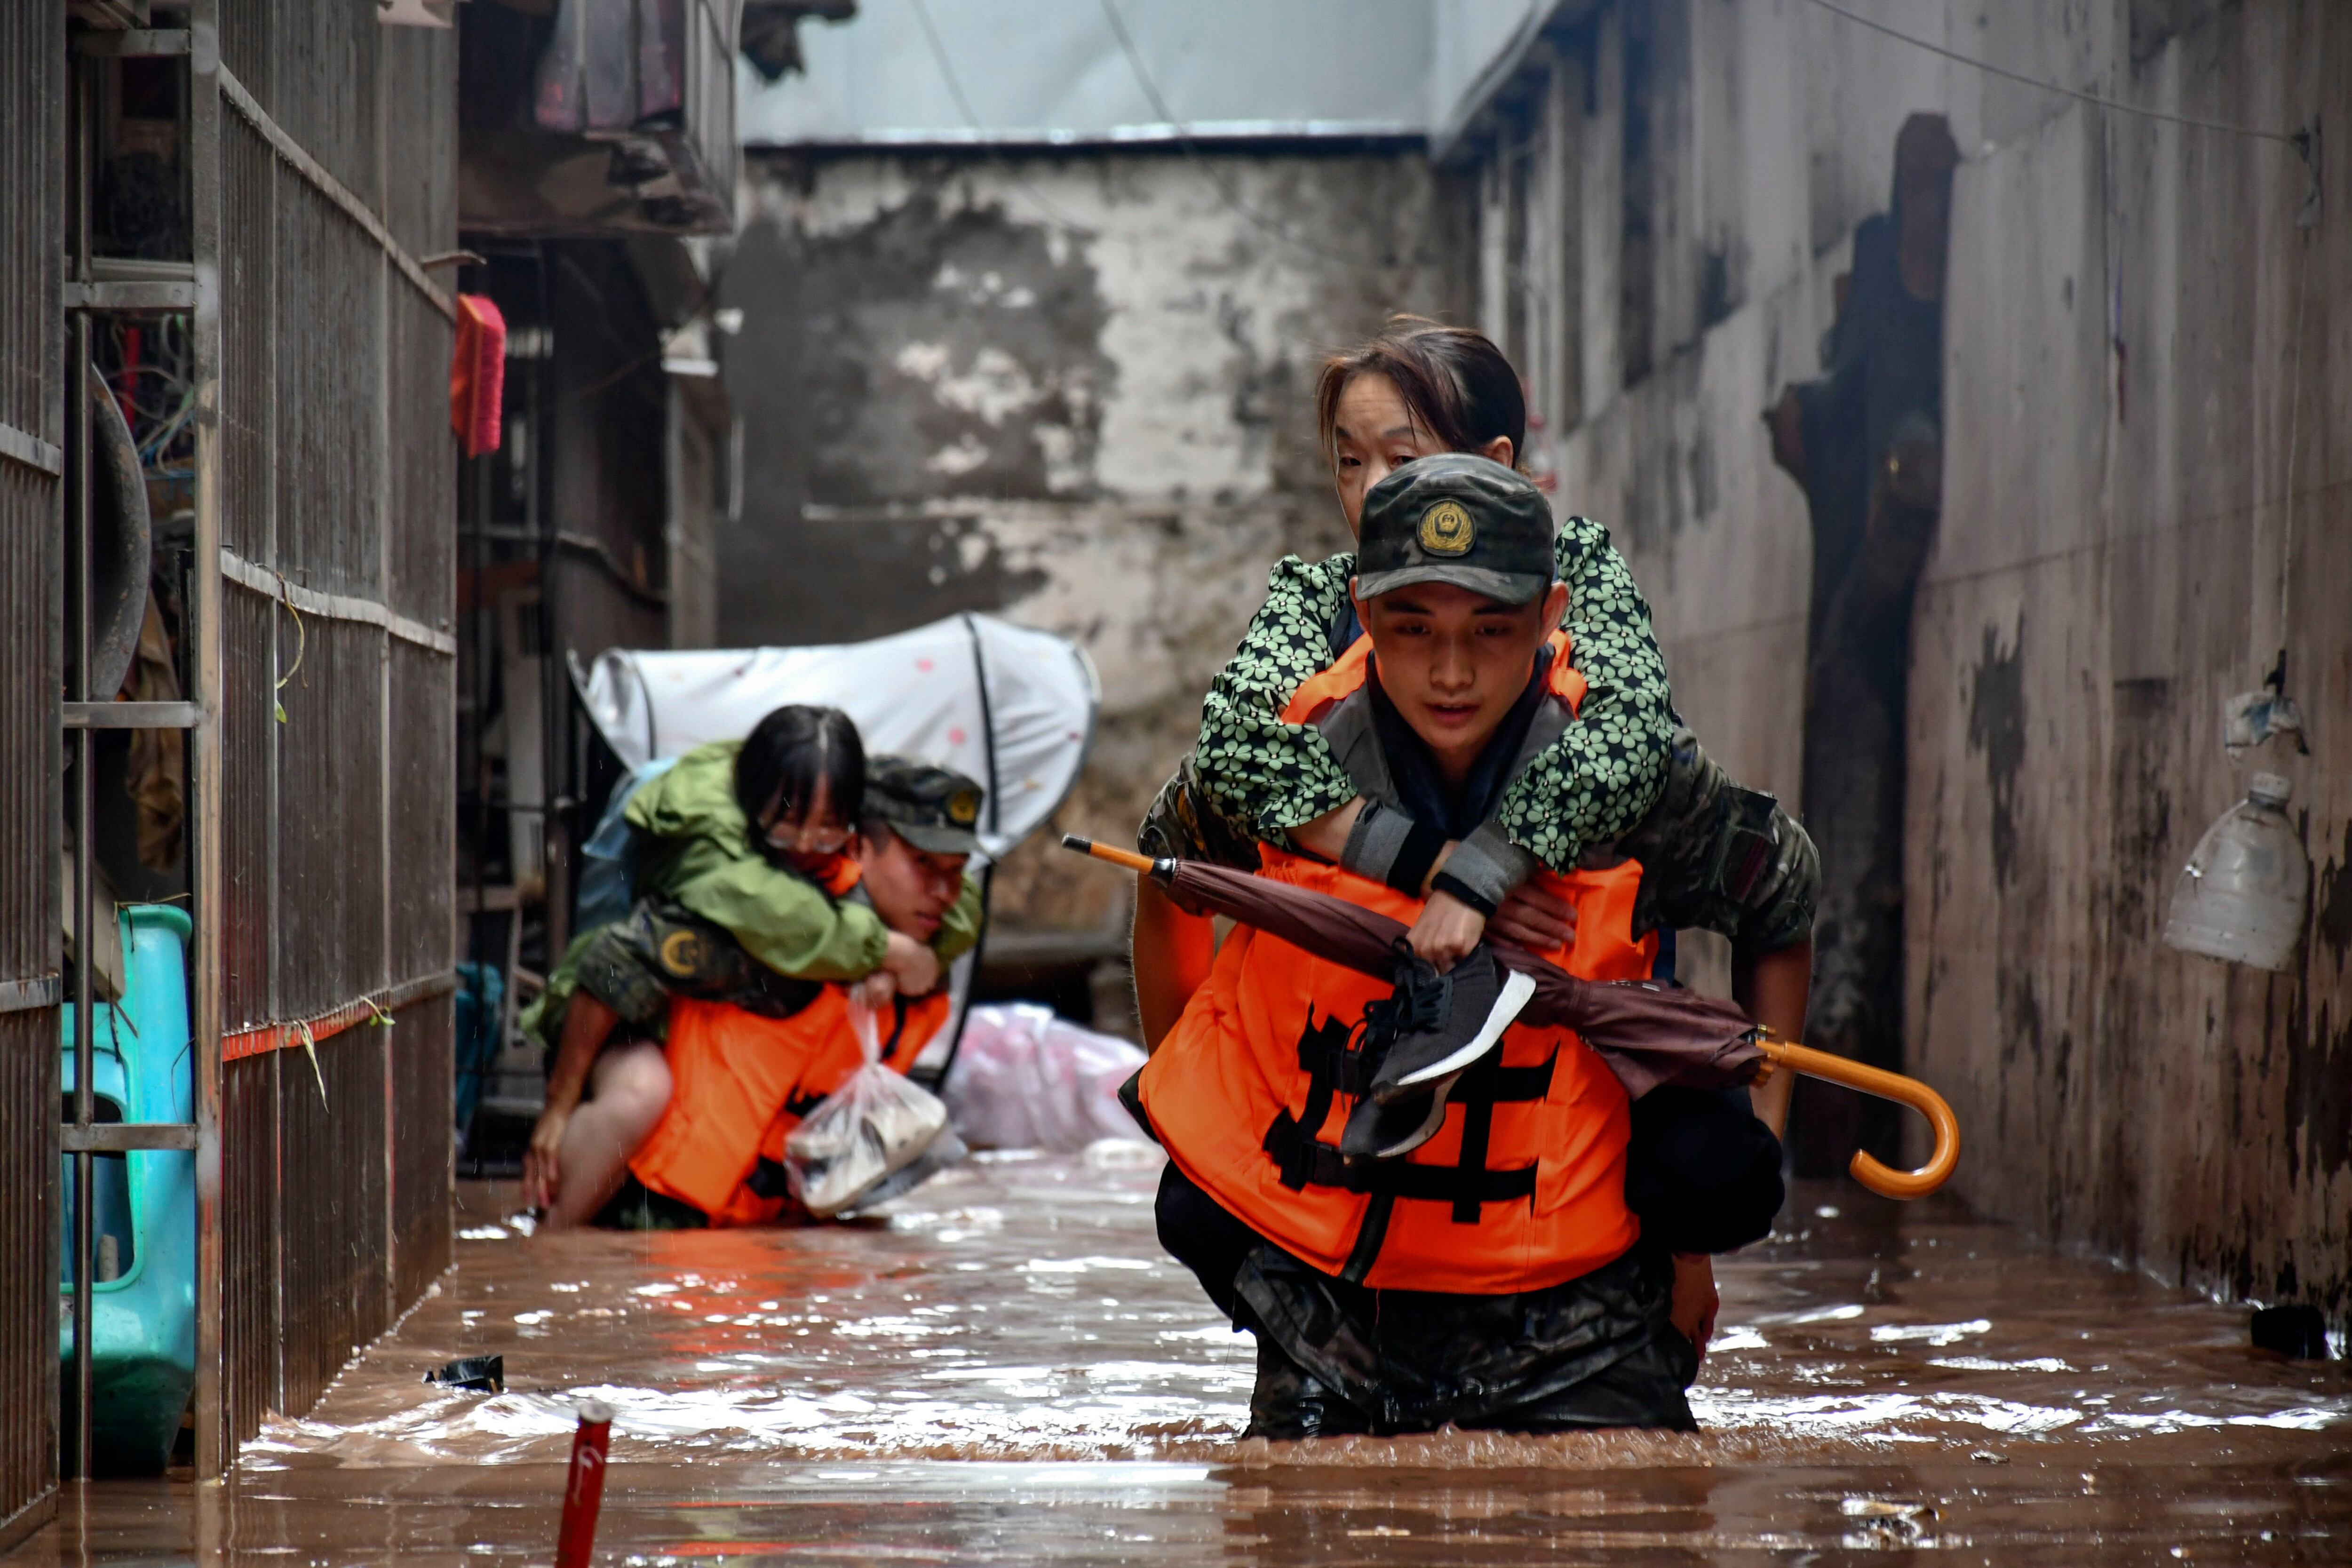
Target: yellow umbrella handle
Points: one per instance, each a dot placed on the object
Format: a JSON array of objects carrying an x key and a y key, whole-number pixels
[
  {"x": 1127, "y": 857},
  {"x": 1880, "y": 1178}
]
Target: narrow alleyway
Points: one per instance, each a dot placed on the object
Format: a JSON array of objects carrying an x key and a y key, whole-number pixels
[
  {"x": 423, "y": 422},
  {"x": 1008, "y": 1369}
]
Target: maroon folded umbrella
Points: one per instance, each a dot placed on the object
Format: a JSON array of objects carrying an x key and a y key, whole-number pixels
[{"x": 1650, "y": 1035}]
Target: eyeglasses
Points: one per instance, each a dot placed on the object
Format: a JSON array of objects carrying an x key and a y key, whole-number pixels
[{"x": 807, "y": 838}]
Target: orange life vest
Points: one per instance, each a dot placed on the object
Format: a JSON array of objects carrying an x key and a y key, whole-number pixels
[
  {"x": 1337, "y": 684},
  {"x": 1524, "y": 1186},
  {"x": 740, "y": 1082}
]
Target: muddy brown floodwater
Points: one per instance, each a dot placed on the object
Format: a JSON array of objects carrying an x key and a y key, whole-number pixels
[{"x": 1008, "y": 1369}]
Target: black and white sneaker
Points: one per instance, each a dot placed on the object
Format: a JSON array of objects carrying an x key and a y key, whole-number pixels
[
  {"x": 1387, "y": 1132},
  {"x": 1446, "y": 1022}
]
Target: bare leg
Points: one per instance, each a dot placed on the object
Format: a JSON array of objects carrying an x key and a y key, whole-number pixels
[{"x": 632, "y": 1090}]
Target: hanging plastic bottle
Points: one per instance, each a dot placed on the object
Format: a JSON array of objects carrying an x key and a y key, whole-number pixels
[{"x": 2243, "y": 893}]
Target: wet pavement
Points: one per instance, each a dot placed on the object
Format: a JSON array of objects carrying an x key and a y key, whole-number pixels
[{"x": 1005, "y": 1368}]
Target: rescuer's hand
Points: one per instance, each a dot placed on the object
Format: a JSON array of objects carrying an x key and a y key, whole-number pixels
[
  {"x": 914, "y": 967},
  {"x": 543, "y": 1160},
  {"x": 1535, "y": 920},
  {"x": 1446, "y": 931},
  {"x": 877, "y": 990},
  {"x": 1695, "y": 1302}
]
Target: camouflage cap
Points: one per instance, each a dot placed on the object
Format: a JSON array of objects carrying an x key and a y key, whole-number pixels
[
  {"x": 935, "y": 809},
  {"x": 1460, "y": 519}
]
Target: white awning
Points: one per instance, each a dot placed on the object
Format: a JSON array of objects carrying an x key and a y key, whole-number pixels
[{"x": 1022, "y": 727}]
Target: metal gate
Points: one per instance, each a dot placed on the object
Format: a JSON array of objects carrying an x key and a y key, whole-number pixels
[
  {"x": 321, "y": 180},
  {"x": 32, "y": 75},
  {"x": 337, "y": 481}
]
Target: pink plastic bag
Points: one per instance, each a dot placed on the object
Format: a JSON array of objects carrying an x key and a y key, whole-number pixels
[{"x": 1025, "y": 1078}]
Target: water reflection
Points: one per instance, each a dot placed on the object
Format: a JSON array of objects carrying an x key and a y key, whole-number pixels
[
  {"x": 1005, "y": 1367},
  {"x": 1158, "y": 1512},
  {"x": 1019, "y": 1309}
]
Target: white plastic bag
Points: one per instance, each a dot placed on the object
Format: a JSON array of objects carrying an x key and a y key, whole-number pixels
[
  {"x": 2244, "y": 894},
  {"x": 946, "y": 1150},
  {"x": 1025, "y": 1078},
  {"x": 869, "y": 1128}
]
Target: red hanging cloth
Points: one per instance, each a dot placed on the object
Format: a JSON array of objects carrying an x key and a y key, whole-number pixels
[{"x": 478, "y": 373}]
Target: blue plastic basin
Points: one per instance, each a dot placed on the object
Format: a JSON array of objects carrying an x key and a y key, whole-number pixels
[{"x": 144, "y": 1320}]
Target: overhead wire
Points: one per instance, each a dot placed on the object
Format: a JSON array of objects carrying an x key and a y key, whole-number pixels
[
  {"x": 2308, "y": 218},
  {"x": 1225, "y": 190},
  {"x": 2293, "y": 435},
  {"x": 2298, "y": 140},
  {"x": 946, "y": 63}
]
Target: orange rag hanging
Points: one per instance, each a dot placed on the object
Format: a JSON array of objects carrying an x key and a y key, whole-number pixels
[{"x": 478, "y": 373}]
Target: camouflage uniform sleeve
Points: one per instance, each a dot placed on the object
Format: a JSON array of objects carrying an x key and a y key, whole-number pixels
[
  {"x": 959, "y": 930},
  {"x": 1717, "y": 857},
  {"x": 1780, "y": 908},
  {"x": 1605, "y": 773},
  {"x": 1251, "y": 767},
  {"x": 1182, "y": 824},
  {"x": 541, "y": 1018}
]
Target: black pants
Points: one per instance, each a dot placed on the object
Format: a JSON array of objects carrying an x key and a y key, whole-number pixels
[
  {"x": 1202, "y": 1233},
  {"x": 1335, "y": 1359},
  {"x": 636, "y": 1207}
]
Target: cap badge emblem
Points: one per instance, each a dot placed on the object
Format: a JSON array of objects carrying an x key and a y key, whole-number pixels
[
  {"x": 681, "y": 953},
  {"x": 963, "y": 807},
  {"x": 1445, "y": 530}
]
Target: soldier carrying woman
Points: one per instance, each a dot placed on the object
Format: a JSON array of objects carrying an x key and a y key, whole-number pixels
[{"x": 1466, "y": 725}]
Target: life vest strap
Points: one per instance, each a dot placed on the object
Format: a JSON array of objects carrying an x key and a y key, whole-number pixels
[
  {"x": 1336, "y": 1065},
  {"x": 1321, "y": 1164}
]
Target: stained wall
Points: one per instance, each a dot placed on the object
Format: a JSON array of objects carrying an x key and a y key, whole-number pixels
[
  {"x": 2146, "y": 501},
  {"x": 2145, "y": 498},
  {"x": 1071, "y": 390}
]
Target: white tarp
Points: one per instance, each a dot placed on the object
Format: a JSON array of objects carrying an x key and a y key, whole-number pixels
[{"x": 917, "y": 694}]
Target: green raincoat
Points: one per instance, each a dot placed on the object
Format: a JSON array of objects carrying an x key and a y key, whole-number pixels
[{"x": 694, "y": 848}]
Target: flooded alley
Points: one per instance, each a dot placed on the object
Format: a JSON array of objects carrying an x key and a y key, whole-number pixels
[
  {"x": 750, "y": 750},
  {"x": 1008, "y": 1369}
]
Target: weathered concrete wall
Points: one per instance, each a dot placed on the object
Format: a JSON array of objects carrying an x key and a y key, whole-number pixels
[
  {"x": 2137, "y": 337},
  {"x": 1070, "y": 390},
  {"x": 2141, "y": 343}
]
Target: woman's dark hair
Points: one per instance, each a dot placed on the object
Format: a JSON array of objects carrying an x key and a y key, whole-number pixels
[
  {"x": 1454, "y": 380},
  {"x": 787, "y": 755}
]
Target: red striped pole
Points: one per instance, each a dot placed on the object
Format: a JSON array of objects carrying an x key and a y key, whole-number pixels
[{"x": 584, "y": 1489}]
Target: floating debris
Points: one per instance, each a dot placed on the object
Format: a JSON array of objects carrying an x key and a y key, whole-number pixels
[{"x": 480, "y": 1373}]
